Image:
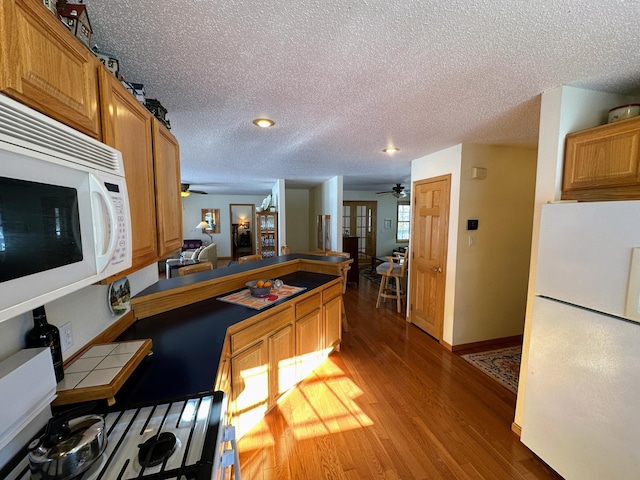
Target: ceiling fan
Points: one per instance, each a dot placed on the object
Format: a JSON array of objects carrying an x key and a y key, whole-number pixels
[
  {"x": 185, "y": 191},
  {"x": 398, "y": 191}
]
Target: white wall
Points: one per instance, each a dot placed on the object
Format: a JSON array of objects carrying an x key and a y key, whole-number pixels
[
  {"x": 387, "y": 208},
  {"x": 444, "y": 162},
  {"x": 192, "y": 214},
  {"x": 326, "y": 199},
  {"x": 492, "y": 275},
  {"x": 87, "y": 310},
  {"x": 563, "y": 110}
]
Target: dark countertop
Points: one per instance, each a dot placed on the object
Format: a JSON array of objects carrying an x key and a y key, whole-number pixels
[
  {"x": 188, "y": 341},
  {"x": 177, "y": 282}
]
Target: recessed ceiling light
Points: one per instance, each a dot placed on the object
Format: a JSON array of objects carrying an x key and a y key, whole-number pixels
[
  {"x": 264, "y": 122},
  {"x": 391, "y": 150}
]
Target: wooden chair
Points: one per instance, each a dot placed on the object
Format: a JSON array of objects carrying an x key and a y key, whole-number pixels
[
  {"x": 345, "y": 269},
  {"x": 395, "y": 267},
  {"x": 196, "y": 267},
  {"x": 285, "y": 250},
  {"x": 249, "y": 258}
]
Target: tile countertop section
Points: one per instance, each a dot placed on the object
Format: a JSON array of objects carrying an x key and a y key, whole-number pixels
[
  {"x": 98, "y": 366},
  {"x": 187, "y": 344}
]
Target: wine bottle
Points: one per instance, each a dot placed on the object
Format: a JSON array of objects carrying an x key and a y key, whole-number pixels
[{"x": 44, "y": 334}]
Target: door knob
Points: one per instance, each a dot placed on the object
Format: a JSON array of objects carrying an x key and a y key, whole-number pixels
[{"x": 437, "y": 269}]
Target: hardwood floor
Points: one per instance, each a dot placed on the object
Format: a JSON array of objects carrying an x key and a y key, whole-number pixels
[{"x": 392, "y": 404}]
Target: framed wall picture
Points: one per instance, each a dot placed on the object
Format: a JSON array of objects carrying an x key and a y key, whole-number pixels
[
  {"x": 212, "y": 217},
  {"x": 327, "y": 233},
  {"x": 320, "y": 233}
]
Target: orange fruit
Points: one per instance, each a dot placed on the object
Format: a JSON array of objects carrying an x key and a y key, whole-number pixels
[
  {"x": 259, "y": 284},
  {"x": 267, "y": 284}
]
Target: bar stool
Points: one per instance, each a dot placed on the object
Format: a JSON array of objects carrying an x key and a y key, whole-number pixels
[{"x": 396, "y": 268}]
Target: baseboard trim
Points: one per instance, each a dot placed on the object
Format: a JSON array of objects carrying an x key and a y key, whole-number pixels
[
  {"x": 484, "y": 343},
  {"x": 517, "y": 429}
]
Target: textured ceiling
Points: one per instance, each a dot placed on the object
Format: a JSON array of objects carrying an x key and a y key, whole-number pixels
[{"x": 345, "y": 79}]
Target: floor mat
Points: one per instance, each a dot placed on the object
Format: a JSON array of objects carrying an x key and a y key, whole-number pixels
[{"x": 502, "y": 365}]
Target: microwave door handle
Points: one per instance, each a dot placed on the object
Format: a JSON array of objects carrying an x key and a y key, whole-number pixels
[{"x": 101, "y": 224}]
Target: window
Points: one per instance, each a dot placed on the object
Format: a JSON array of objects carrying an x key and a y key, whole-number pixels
[{"x": 404, "y": 220}]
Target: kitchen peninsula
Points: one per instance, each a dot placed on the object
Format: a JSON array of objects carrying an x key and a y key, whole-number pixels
[{"x": 201, "y": 343}]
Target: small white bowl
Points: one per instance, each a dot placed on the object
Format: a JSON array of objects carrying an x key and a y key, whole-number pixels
[{"x": 622, "y": 112}]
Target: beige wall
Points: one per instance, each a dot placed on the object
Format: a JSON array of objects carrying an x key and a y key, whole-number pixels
[
  {"x": 445, "y": 162},
  {"x": 492, "y": 275},
  {"x": 486, "y": 285},
  {"x": 298, "y": 221}
]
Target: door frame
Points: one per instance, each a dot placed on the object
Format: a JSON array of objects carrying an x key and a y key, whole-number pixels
[
  {"x": 373, "y": 205},
  {"x": 438, "y": 334},
  {"x": 252, "y": 223}
]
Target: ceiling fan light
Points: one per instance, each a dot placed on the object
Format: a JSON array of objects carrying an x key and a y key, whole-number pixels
[
  {"x": 185, "y": 194},
  {"x": 264, "y": 122}
]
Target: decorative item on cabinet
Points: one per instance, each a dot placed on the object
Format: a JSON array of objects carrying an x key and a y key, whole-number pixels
[
  {"x": 136, "y": 89},
  {"x": 109, "y": 61},
  {"x": 76, "y": 18},
  {"x": 155, "y": 107},
  {"x": 51, "y": 5}
]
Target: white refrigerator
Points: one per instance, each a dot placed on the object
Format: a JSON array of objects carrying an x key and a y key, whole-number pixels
[{"x": 582, "y": 399}]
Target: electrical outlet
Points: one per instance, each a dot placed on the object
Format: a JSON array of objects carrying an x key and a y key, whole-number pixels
[{"x": 66, "y": 337}]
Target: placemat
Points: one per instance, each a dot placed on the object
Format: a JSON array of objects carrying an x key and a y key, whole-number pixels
[{"x": 244, "y": 298}]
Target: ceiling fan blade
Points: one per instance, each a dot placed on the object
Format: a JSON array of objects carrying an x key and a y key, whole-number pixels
[
  {"x": 199, "y": 191},
  {"x": 388, "y": 191}
]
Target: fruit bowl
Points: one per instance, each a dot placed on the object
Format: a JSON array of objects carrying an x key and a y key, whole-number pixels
[{"x": 260, "y": 288}]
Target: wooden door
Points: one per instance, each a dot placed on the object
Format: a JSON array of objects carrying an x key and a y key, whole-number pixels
[
  {"x": 359, "y": 220},
  {"x": 429, "y": 229}
]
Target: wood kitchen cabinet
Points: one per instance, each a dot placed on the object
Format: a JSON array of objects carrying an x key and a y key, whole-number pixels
[
  {"x": 127, "y": 126},
  {"x": 166, "y": 167},
  {"x": 308, "y": 335},
  {"x": 331, "y": 316},
  {"x": 249, "y": 386},
  {"x": 152, "y": 168},
  {"x": 282, "y": 367},
  {"x": 45, "y": 67},
  {"x": 603, "y": 163}
]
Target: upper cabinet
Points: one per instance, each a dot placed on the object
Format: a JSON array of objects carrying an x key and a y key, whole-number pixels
[
  {"x": 127, "y": 127},
  {"x": 152, "y": 168},
  {"x": 166, "y": 164},
  {"x": 46, "y": 67},
  {"x": 603, "y": 163}
]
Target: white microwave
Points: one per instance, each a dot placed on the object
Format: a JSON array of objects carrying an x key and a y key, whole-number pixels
[{"x": 64, "y": 210}]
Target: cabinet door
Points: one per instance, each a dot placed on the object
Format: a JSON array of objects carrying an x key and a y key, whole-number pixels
[
  {"x": 282, "y": 367},
  {"x": 46, "y": 67},
  {"x": 603, "y": 162},
  {"x": 127, "y": 127},
  {"x": 332, "y": 323},
  {"x": 249, "y": 387},
  {"x": 308, "y": 341},
  {"x": 166, "y": 155}
]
